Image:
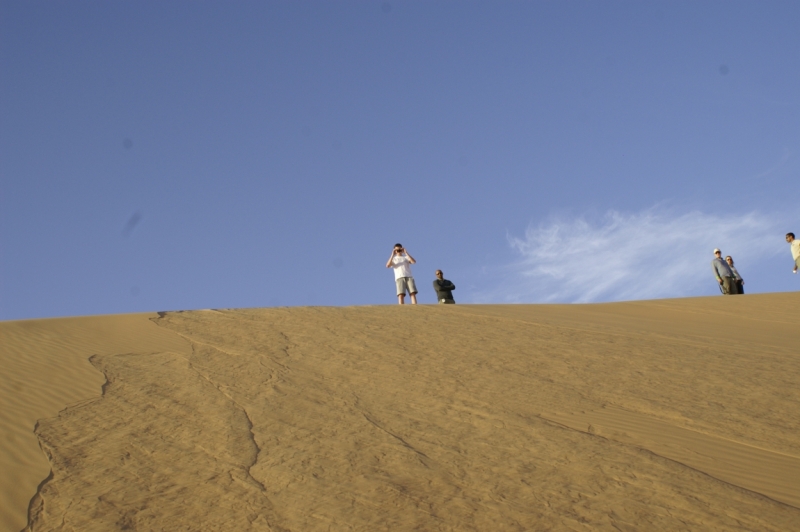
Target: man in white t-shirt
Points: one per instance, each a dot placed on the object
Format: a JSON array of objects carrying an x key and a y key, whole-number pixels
[
  {"x": 401, "y": 261},
  {"x": 795, "y": 245}
]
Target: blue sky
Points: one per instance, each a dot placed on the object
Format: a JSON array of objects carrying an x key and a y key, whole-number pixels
[{"x": 182, "y": 155}]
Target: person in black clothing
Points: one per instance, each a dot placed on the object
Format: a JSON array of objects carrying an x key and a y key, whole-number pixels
[{"x": 444, "y": 289}]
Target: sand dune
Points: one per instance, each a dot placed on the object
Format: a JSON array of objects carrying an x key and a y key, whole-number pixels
[
  {"x": 45, "y": 368},
  {"x": 659, "y": 415}
]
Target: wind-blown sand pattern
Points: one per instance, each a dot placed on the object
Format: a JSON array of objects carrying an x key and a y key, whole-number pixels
[
  {"x": 45, "y": 367},
  {"x": 659, "y": 415}
]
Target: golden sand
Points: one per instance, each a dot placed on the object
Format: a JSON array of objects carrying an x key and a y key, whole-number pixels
[
  {"x": 45, "y": 367},
  {"x": 658, "y": 415}
]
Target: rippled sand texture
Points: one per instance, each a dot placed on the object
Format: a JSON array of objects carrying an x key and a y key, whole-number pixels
[
  {"x": 45, "y": 367},
  {"x": 664, "y": 415}
]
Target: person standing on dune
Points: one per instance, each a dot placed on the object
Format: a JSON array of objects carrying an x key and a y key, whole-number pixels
[
  {"x": 401, "y": 261},
  {"x": 795, "y": 246},
  {"x": 724, "y": 274},
  {"x": 444, "y": 289},
  {"x": 736, "y": 277}
]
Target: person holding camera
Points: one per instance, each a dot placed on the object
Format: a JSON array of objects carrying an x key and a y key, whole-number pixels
[{"x": 401, "y": 261}]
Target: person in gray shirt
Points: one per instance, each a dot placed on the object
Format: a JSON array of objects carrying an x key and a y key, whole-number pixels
[
  {"x": 444, "y": 289},
  {"x": 724, "y": 274}
]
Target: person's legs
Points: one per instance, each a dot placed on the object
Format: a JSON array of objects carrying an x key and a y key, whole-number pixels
[
  {"x": 401, "y": 290},
  {"x": 729, "y": 286},
  {"x": 739, "y": 287},
  {"x": 412, "y": 289}
]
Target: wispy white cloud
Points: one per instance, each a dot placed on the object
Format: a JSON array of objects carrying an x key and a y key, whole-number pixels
[{"x": 652, "y": 254}]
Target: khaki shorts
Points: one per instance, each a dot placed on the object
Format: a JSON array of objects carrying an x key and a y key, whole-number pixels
[{"x": 405, "y": 283}]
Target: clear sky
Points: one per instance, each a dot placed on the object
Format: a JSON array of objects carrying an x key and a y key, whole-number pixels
[{"x": 183, "y": 155}]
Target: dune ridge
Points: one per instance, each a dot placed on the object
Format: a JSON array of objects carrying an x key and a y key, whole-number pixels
[{"x": 664, "y": 415}]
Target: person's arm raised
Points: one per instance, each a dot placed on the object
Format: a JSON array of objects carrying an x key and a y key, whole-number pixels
[{"x": 410, "y": 258}]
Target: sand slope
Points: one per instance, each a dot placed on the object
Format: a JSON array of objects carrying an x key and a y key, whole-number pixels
[
  {"x": 45, "y": 367},
  {"x": 663, "y": 415}
]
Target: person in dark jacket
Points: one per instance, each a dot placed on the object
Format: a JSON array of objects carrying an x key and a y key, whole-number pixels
[{"x": 444, "y": 289}]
